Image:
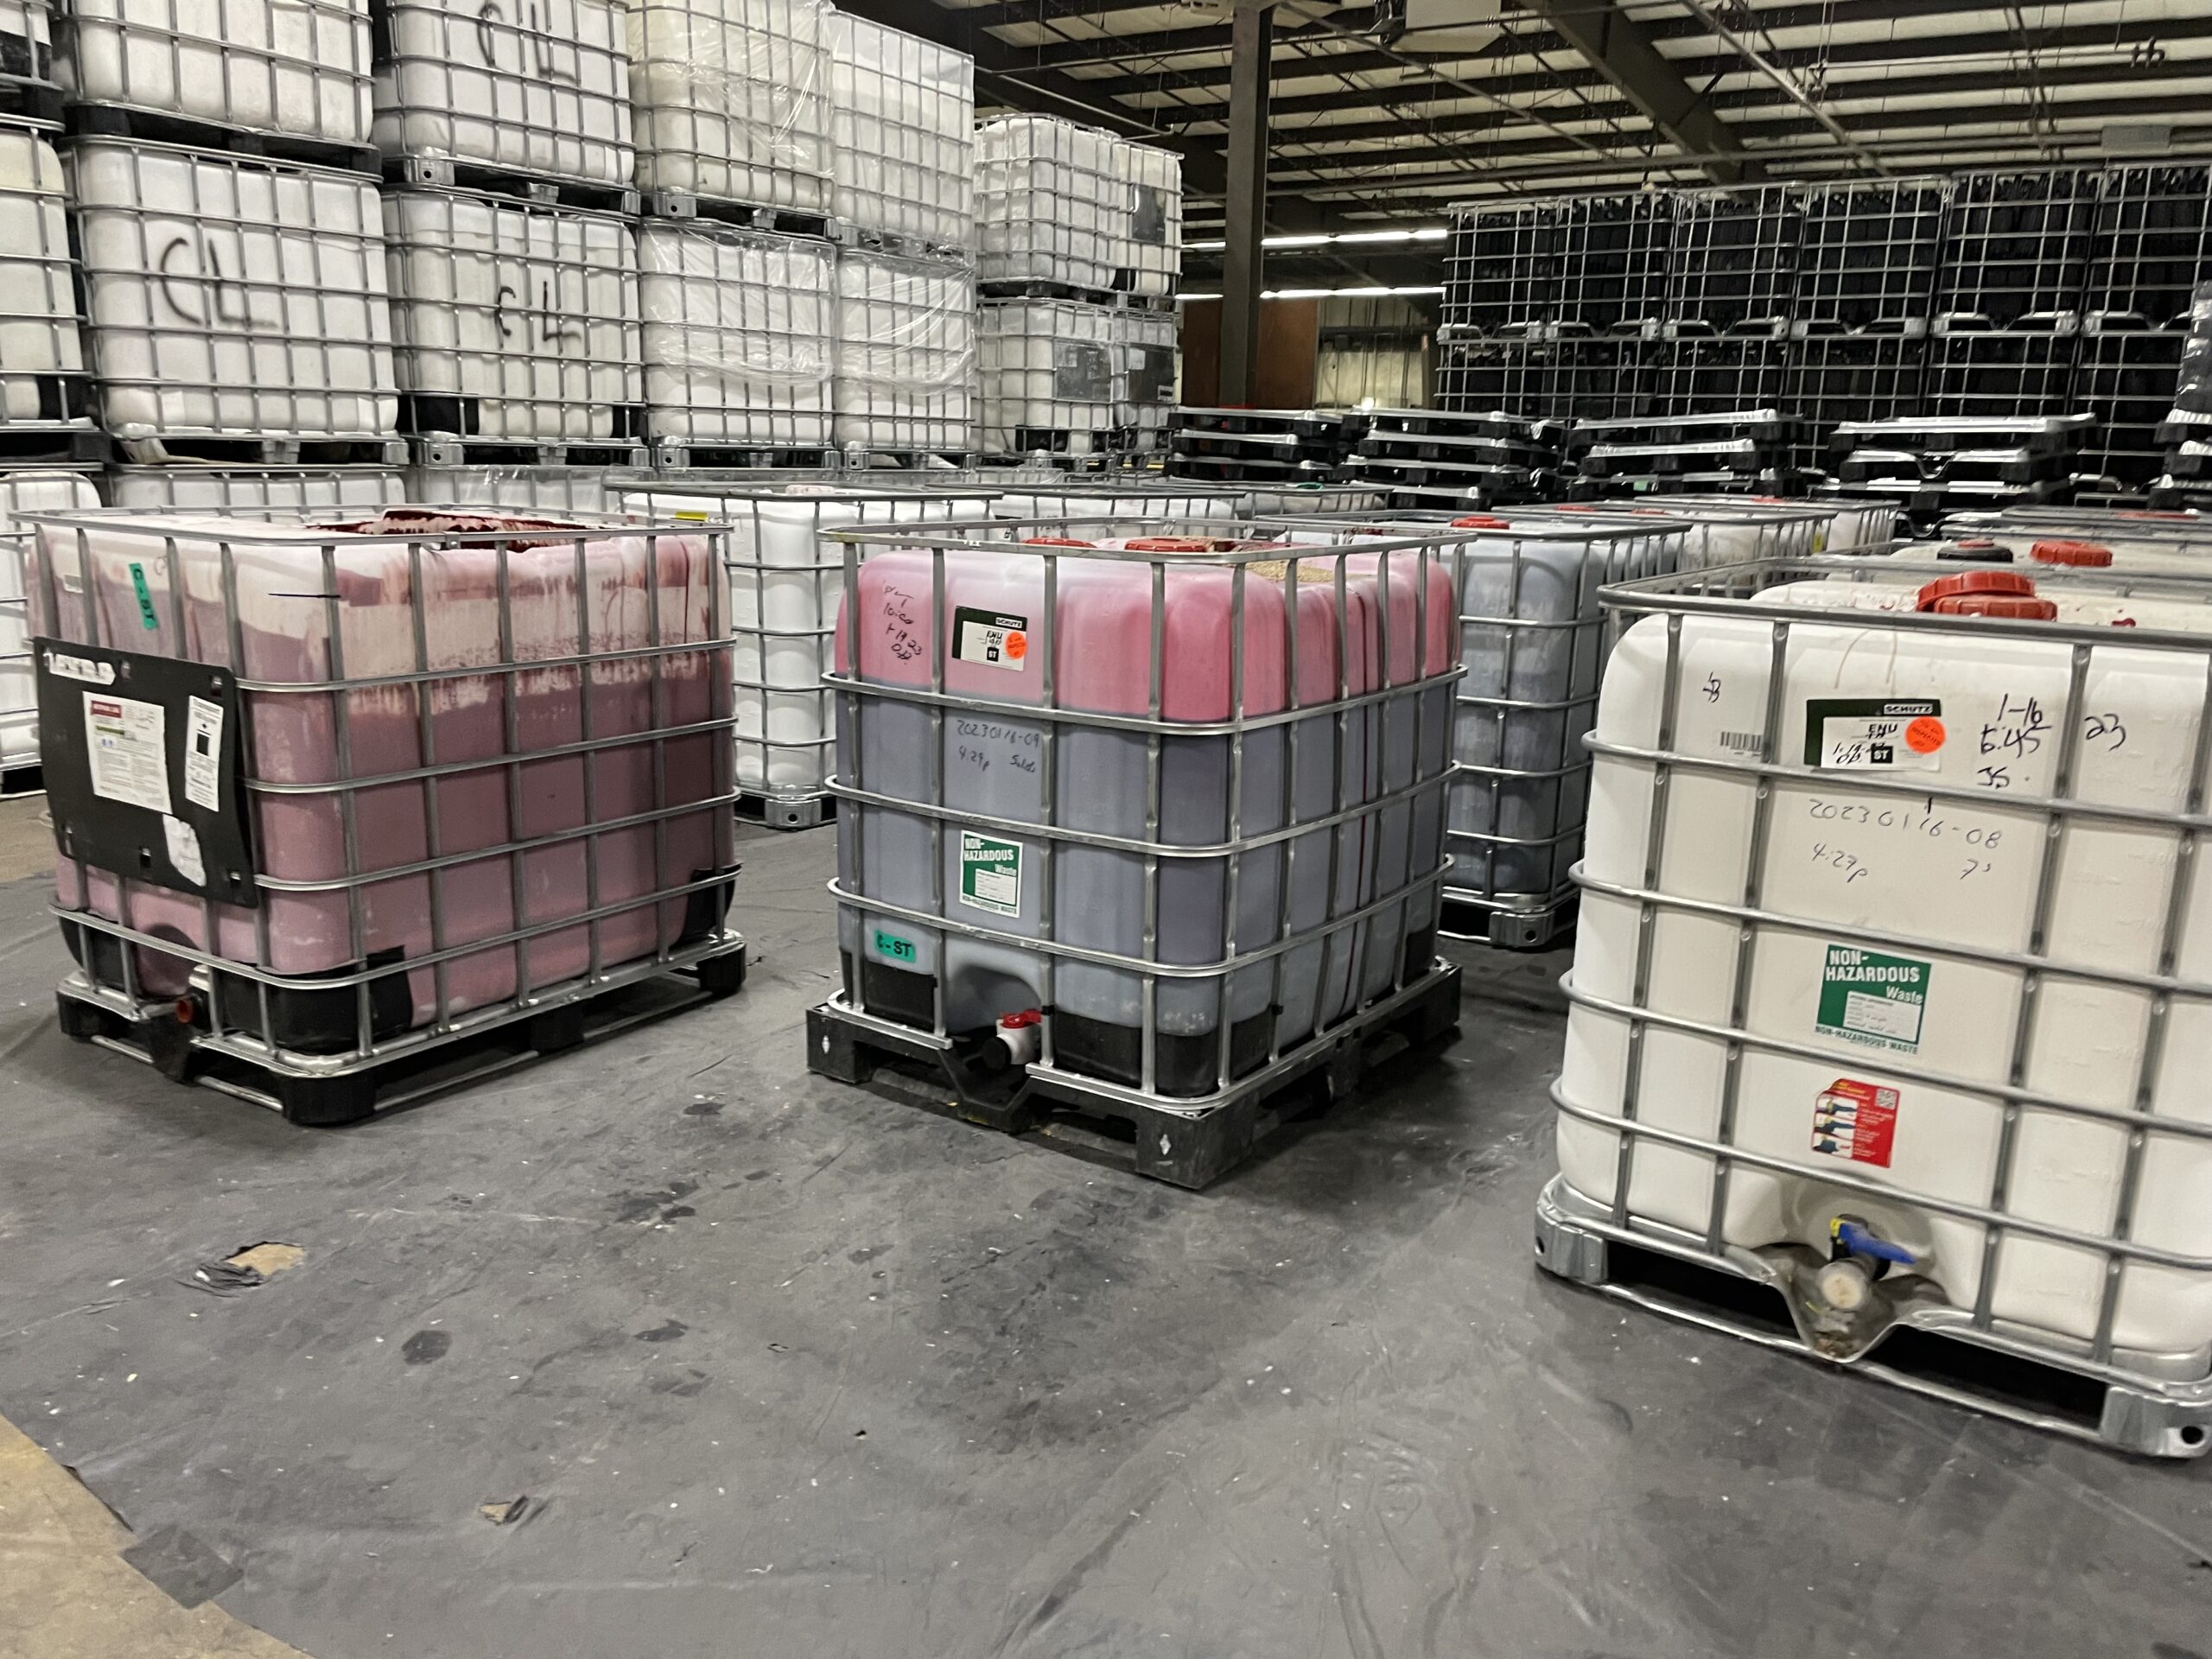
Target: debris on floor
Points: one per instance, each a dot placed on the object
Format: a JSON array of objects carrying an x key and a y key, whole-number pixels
[{"x": 252, "y": 1267}]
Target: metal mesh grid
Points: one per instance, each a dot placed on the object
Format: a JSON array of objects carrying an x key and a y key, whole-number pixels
[
  {"x": 1852, "y": 377},
  {"x": 1617, "y": 262},
  {"x": 1049, "y": 206},
  {"x": 785, "y": 579},
  {"x": 511, "y": 319},
  {"x": 25, "y": 490},
  {"x": 1506, "y": 270},
  {"x": 528, "y": 489},
  {"x": 1731, "y": 265},
  {"x": 2012, "y": 372},
  {"x": 254, "y": 489},
  {"x": 298, "y": 67},
  {"x": 1145, "y": 369},
  {"x": 2016, "y": 246},
  {"x": 2152, "y": 244},
  {"x": 26, "y": 43},
  {"x": 1713, "y": 376},
  {"x": 1153, "y": 262},
  {"x": 738, "y": 334},
  {"x": 902, "y": 124},
  {"x": 1867, "y": 256},
  {"x": 1993, "y": 1243},
  {"x": 42, "y": 362},
  {"x": 541, "y": 85},
  {"x": 731, "y": 100},
  {"x": 1472, "y": 377},
  {"x": 230, "y": 295},
  {"x": 503, "y": 780},
  {"x": 905, "y": 359},
  {"x": 2126, "y": 376},
  {"x": 1190, "y": 885},
  {"x": 1048, "y": 376}
]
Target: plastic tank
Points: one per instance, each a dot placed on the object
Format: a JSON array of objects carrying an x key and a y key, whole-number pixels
[
  {"x": 965, "y": 892},
  {"x": 533, "y": 489},
  {"x": 512, "y": 319},
  {"x": 738, "y": 329},
  {"x": 623, "y": 793},
  {"x": 1046, "y": 492},
  {"x": 42, "y": 364},
  {"x": 299, "y": 66},
  {"x": 1050, "y": 204},
  {"x": 784, "y": 581},
  {"x": 1145, "y": 365},
  {"x": 731, "y": 100},
  {"x": 1930, "y": 956},
  {"x": 256, "y": 489},
  {"x": 904, "y": 374},
  {"x": 23, "y": 492},
  {"x": 2126, "y": 533},
  {"x": 229, "y": 296},
  {"x": 902, "y": 122},
  {"x": 1152, "y": 259},
  {"x": 1048, "y": 377},
  {"x": 539, "y": 85}
]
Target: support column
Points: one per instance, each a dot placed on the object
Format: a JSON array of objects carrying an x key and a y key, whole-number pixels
[{"x": 1252, "y": 34}]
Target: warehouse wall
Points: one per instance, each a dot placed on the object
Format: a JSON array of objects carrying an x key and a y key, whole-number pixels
[{"x": 1379, "y": 350}]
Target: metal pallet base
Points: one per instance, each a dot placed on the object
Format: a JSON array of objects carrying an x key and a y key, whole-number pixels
[
  {"x": 327, "y": 1099},
  {"x": 682, "y": 454},
  {"x": 29, "y": 443},
  {"x": 104, "y": 120},
  {"x": 448, "y": 450},
  {"x": 207, "y": 449},
  {"x": 745, "y": 215},
  {"x": 1504, "y": 927},
  {"x": 1188, "y": 1146},
  {"x": 1926, "y": 1351},
  {"x": 787, "y": 812},
  {"x": 448, "y": 173}
]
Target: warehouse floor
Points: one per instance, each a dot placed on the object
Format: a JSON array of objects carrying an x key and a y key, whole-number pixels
[{"x": 783, "y": 1367}]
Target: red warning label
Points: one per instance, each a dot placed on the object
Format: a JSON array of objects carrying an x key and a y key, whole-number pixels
[{"x": 1857, "y": 1121}]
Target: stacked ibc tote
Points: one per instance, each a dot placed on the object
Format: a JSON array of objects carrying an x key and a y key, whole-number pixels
[{"x": 1082, "y": 236}]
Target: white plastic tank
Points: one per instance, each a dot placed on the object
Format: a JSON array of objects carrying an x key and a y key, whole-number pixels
[
  {"x": 42, "y": 364},
  {"x": 255, "y": 489},
  {"x": 1146, "y": 375},
  {"x": 542, "y": 87},
  {"x": 297, "y": 67},
  {"x": 905, "y": 364},
  {"x": 1952, "y": 877},
  {"x": 738, "y": 335},
  {"x": 786, "y": 577},
  {"x": 27, "y": 40},
  {"x": 1152, "y": 260},
  {"x": 534, "y": 489},
  {"x": 333, "y": 600},
  {"x": 2126, "y": 532},
  {"x": 230, "y": 296},
  {"x": 1734, "y": 530},
  {"x": 1049, "y": 204},
  {"x": 1048, "y": 493},
  {"x": 731, "y": 100},
  {"x": 1847, "y": 525},
  {"x": 1172, "y": 631},
  {"x": 29, "y": 489},
  {"x": 902, "y": 122},
  {"x": 1048, "y": 377},
  {"x": 512, "y": 319}
]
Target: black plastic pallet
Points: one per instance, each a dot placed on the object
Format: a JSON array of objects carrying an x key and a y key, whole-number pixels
[
  {"x": 787, "y": 812},
  {"x": 25, "y": 777},
  {"x": 1420, "y": 475},
  {"x": 745, "y": 215},
  {"x": 202, "y": 448},
  {"x": 38, "y": 101},
  {"x": 165, "y": 127},
  {"x": 449, "y": 451},
  {"x": 64, "y": 399},
  {"x": 450, "y": 172},
  {"x": 1474, "y": 425},
  {"x": 897, "y": 244},
  {"x": 1182, "y": 1147},
  {"x": 1102, "y": 461},
  {"x": 330, "y": 1101},
  {"x": 1508, "y": 926},
  {"x": 27, "y": 445},
  {"x": 1470, "y": 452},
  {"x": 682, "y": 454},
  {"x": 1031, "y": 288},
  {"x": 1226, "y": 470},
  {"x": 1302, "y": 422}
]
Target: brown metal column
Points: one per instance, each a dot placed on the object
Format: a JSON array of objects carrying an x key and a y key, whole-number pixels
[{"x": 1252, "y": 32}]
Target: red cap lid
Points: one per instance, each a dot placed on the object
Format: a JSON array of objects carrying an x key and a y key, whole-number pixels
[
  {"x": 1973, "y": 582},
  {"x": 1016, "y": 1021},
  {"x": 2020, "y": 606},
  {"x": 1481, "y": 521},
  {"x": 1176, "y": 544},
  {"x": 1055, "y": 540},
  {"x": 2081, "y": 553},
  {"x": 1974, "y": 541},
  {"x": 1576, "y": 507},
  {"x": 2145, "y": 513}
]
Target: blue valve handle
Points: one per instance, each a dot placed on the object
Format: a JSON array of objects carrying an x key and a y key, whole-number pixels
[{"x": 1852, "y": 1238}]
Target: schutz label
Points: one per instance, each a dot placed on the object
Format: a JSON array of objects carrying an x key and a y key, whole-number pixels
[
  {"x": 990, "y": 639},
  {"x": 1874, "y": 733}
]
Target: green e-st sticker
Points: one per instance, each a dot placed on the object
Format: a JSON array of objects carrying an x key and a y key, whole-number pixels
[
  {"x": 1872, "y": 999},
  {"x": 990, "y": 874},
  {"x": 146, "y": 598},
  {"x": 891, "y": 945}
]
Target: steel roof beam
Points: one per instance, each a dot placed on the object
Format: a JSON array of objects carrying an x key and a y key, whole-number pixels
[{"x": 1621, "y": 51}]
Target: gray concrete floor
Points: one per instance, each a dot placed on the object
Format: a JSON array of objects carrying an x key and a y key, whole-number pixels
[{"x": 785, "y": 1369}]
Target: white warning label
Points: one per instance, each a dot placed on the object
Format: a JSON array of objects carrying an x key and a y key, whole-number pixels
[
  {"x": 203, "y": 753},
  {"x": 126, "y": 743}
]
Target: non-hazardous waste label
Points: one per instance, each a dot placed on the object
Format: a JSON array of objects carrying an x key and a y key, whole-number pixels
[
  {"x": 990, "y": 874},
  {"x": 990, "y": 639},
  {"x": 1874, "y": 733},
  {"x": 1869, "y": 998},
  {"x": 1857, "y": 1121}
]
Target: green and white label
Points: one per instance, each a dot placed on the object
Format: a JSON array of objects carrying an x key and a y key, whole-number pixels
[
  {"x": 145, "y": 597},
  {"x": 990, "y": 874},
  {"x": 891, "y": 945},
  {"x": 1872, "y": 999}
]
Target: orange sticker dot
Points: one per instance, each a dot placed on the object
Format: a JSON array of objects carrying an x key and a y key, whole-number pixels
[
  {"x": 1925, "y": 736},
  {"x": 1017, "y": 646}
]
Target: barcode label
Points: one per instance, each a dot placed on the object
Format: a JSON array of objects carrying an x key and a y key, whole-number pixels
[{"x": 1743, "y": 742}]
